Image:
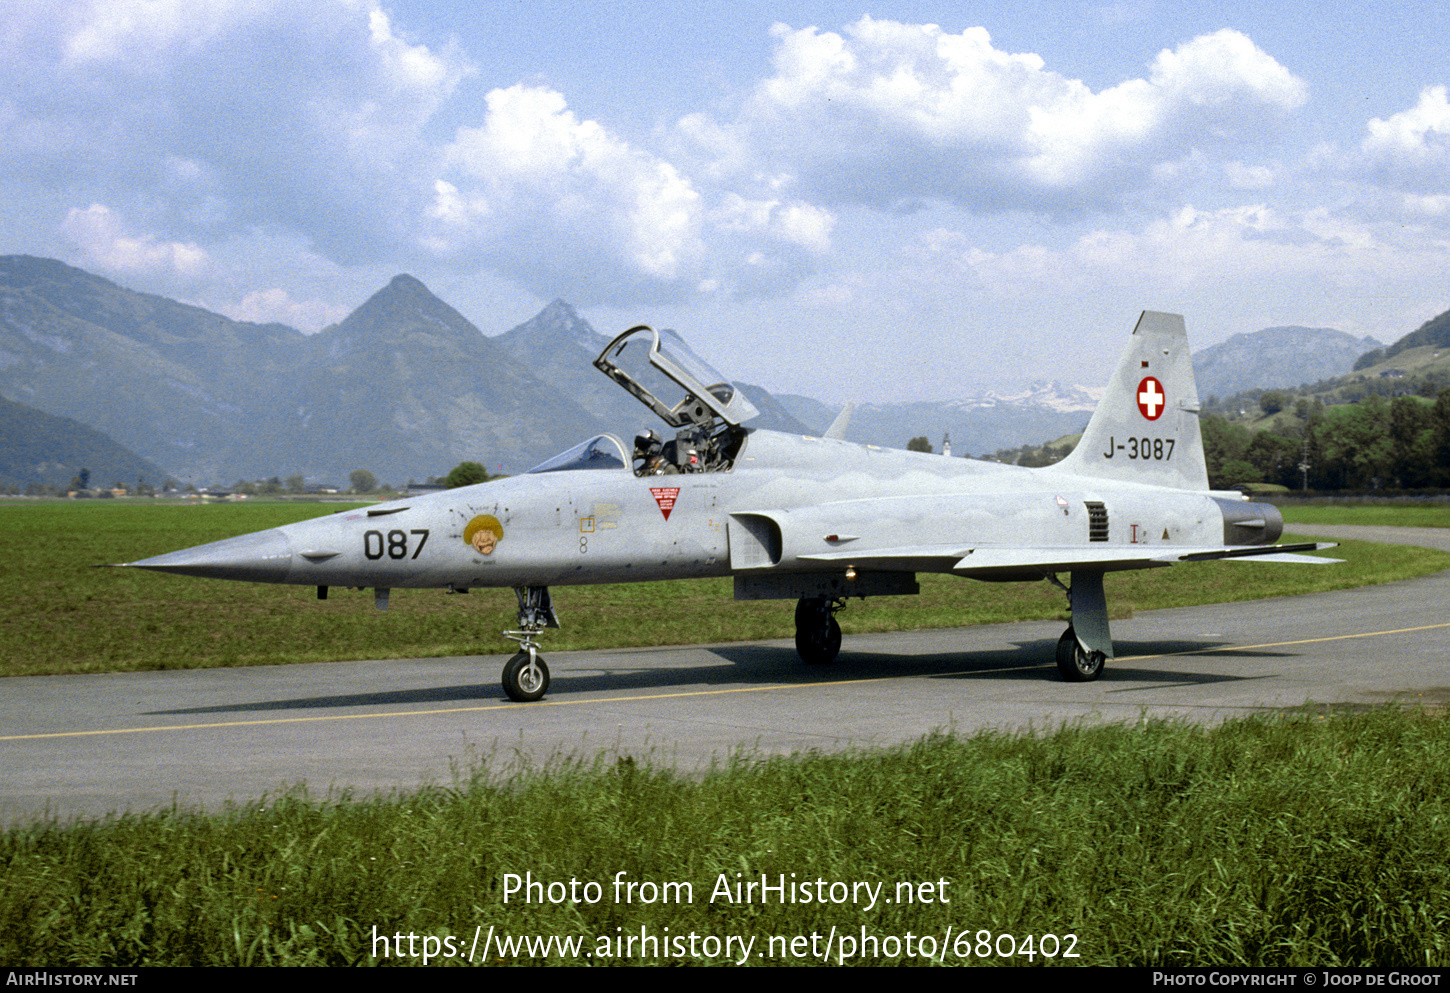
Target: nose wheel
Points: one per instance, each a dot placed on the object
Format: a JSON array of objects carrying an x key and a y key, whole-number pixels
[{"x": 525, "y": 676}]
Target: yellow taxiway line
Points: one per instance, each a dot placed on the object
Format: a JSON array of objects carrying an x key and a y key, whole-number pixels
[{"x": 774, "y": 687}]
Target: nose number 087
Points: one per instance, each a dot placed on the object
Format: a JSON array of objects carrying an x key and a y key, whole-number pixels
[{"x": 394, "y": 544}]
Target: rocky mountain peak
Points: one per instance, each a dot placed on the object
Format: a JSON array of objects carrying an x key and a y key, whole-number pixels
[
  {"x": 405, "y": 285},
  {"x": 556, "y": 326},
  {"x": 403, "y": 292},
  {"x": 405, "y": 303},
  {"x": 558, "y": 313}
]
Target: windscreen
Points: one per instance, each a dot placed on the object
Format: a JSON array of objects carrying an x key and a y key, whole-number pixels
[{"x": 600, "y": 452}]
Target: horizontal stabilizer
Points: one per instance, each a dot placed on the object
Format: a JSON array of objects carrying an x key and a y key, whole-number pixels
[
  {"x": 1268, "y": 553},
  {"x": 1028, "y": 562},
  {"x": 1288, "y": 558}
]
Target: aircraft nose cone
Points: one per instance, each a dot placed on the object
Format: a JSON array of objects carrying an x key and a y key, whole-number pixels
[{"x": 263, "y": 557}]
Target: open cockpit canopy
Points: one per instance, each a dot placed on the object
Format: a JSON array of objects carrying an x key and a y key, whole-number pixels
[
  {"x": 705, "y": 409},
  {"x": 659, "y": 369}
]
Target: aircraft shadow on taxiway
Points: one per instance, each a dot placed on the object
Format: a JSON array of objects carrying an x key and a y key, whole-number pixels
[{"x": 1029, "y": 662}]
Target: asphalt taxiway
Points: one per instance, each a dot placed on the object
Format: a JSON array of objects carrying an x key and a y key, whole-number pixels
[{"x": 89, "y": 745}]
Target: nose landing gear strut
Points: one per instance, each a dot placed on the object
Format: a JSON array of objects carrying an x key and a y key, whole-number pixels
[{"x": 525, "y": 676}]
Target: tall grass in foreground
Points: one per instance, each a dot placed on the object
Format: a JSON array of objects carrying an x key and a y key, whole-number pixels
[{"x": 1291, "y": 840}]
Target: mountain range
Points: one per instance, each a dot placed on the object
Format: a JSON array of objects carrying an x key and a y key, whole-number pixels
[
  {"x": 1289, "y": 355},
  {"x": 40, "y": 449},
  {"x": 407, "y": 387}
]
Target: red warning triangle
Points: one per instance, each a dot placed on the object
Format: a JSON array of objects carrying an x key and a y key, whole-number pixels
[{"x": 665, "y": 497}]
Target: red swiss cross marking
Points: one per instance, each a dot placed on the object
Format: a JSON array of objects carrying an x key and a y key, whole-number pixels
[
  {"x": 665, "y": 497},
  {"x": 1151, "y": 400}
]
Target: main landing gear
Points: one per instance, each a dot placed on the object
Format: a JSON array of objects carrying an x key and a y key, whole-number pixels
[
  {"x": 1087, "y": 644},
  {"x": 817, "y": 635},
  {"x": 1077, "y": 664},
  {"x": 525, "y": 676}
]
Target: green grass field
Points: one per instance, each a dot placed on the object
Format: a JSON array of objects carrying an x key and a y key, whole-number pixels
[
  {"x": 1410, "y": 515},
  {"x": 61, "y": 615}
]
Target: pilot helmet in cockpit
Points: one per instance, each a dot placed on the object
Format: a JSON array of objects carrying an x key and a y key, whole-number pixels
[{"x": 647, "y": 444}]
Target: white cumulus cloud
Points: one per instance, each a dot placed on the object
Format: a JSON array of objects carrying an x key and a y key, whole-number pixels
[
  {"x": 278, "y": 305},
  {"x": 1411, "y": 149},
  {"x": 565, "y": 204},
  {"x": 796, "y": 223},
  {"x": 308, "y": 117},
  {"x": 888, "y": 114},
  {"x": 102, "y": 238}
]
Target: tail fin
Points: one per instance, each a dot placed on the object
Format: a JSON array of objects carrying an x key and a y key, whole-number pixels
[{"x": 1145, "y": 429}]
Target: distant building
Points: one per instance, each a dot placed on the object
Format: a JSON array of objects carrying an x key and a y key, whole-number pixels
[{"x": 946, "y": 444}]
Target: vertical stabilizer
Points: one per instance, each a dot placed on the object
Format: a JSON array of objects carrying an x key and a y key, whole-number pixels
[
  {"x": 838, "y": 427},
  {"x": 1145, "y": 429}
]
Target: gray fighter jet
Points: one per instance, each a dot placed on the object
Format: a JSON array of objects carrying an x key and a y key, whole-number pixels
[{"x": 815, "y": 520}]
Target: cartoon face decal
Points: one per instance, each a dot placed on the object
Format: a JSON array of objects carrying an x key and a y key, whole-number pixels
[{"x": 484, "y": 533}]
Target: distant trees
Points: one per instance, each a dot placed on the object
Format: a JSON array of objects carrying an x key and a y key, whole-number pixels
[
  {"x": 919, "y": 444},
  {"x": 1354, "y": 441},
  {"x": 1273, "y": 401},
  {"x": 1413, "y": 441},
  {"x": 363, "y": 481},
  {"x": 466, "y": 474},
  {"x": 1401, "y": 443}
]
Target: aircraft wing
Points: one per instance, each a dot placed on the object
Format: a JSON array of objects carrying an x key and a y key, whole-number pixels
[{"x": 1002, "y": 563}]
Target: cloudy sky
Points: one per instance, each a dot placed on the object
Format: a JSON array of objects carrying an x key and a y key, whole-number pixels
[{"x": 853, "y": 201}]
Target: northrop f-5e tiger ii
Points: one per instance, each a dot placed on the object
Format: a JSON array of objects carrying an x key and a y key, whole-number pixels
[{"x": 814, "y": 520}]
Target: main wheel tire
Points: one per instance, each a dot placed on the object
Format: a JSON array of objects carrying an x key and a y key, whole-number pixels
[
  {"x": 819, "y": 643},
  {"x": 809, "y": 612},
  {"x": 525, "y": 678},
  {"x": 1077, "y": 664}
]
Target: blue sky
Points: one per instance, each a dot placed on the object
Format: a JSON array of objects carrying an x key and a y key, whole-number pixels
[{"x": 866, "y": 202}]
